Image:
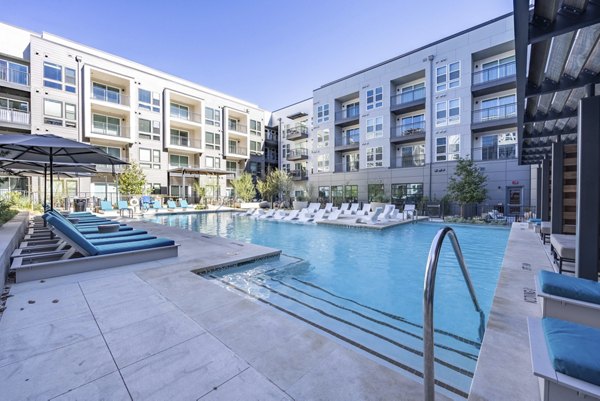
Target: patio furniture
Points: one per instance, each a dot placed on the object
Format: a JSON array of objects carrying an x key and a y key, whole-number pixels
[{"x": 562, "y": 247}]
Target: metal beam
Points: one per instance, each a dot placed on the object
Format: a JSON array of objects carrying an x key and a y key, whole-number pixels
[
  {"x": 557, "y": 188},
  {"x": 587, "y": 253},
  {"x": 551, "y": 115},
  {"x": 521, "y": 18},
  {"x": 538, "y": 192},
  {"x": 564, "y": 84},
  {"x": 564, "y": 22},
  {"x": 550, "y": 133}
]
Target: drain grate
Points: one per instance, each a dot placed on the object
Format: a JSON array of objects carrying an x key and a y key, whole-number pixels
[
  {"x": 526, "y": 266},
  {"x": 529, "y": 295}
]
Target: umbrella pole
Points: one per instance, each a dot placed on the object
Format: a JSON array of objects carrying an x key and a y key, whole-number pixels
[
  {"x": 51, "y": 180},
  {"x": 45, "y": 185}
]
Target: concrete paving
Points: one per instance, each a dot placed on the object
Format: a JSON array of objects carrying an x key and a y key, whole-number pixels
[{"x": 157, "y": 331}]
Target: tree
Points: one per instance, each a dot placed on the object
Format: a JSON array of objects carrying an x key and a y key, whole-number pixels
[
  {"x": 467, "y": 185},
  {"x": 132, "y": 180},
  {"x": 244, "y": 187},
  {"x": 200, "y": 191},
  {"x": 283, "y": 182}
]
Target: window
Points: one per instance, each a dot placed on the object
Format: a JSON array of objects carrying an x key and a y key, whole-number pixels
[
  {"x": 53, "y": 112},
  {"x": 375, "y": 192},
  {"x": 150, "y": 158},
  {"x": 106, "y": 93},
  {"x": 447, "y": 76},
  {"x": 412, "y": 155},
  {"x": 149, "y": 129},
  {"x": 441, "y": 114},
  {"x": 323, "y": 138},
  {"x": 375, "y": 157},
  {"x": 454, "y": 111},
  {"x": 70, "y": 80},
  {"x": 412, "y": 125},
  {"x": 337, "y": 194},
  {"x": 410, "y": 93},
  {"x": 285, "y": 150},
  {"x": 180, "y": 138},
  {"x": 16, "y": 111},
  {"x": 323, "y": 163},
  {"x": 178, "y": 161},
  {"x": 106, "y": 125},
  {"x": 352, "y": 110},
  {"x": 453, "y": 147},
  {"x": 213, "y": 140},
  {"x": 213, "y": 117},
  {"x": 499, "y": 147},
  {"x": 407, "y": 193},
  {"x": 255, "y": 147},
  {"x": 285, "y": 167},
  {"x": 498, "y": 107},
  {"x": 374, "y": 98},
  {"x": 115, "y": 152},
  {"x": 440, "y": 149},
  {"x": 322, "y": 113},
  {"x": 148, "y": 100},
  {"x": 350, "y": 136},
  {"x": 497, "y": 69},
  {"x": 180, "y": 111},
  {"x": 231, "y": 166},
  {"x": 70, "y": 115},
  {"x": 213, "y": 162},
  {"x": 255, "y": 128},
  {"x": 375, "y": 127},
  {"x": 323, "y": 193},
  {"x": 14, "y": 72},
  {"x": 350, "y": 193},
  {"x": 351, "y": 162},
  {"x": 53, "y": 76}
]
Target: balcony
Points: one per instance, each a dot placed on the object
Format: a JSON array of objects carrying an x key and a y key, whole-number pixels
[
  {"x": 237, "y": 127},
  {"x": 271, "y": 139},
  {"x": 186, "y": 116},
  {"x": 298, "y": 175},
  {"x": 296, "y": 133},
  {"x": 496, "y": 117},
  {"x": 412, "y": 161},
  {"x": 185, "y": 143},
  {"x": 14, "y": 76},
  {"x": 108, "y": 168},
  {"x": 347, "y": 117},
  {"x": 408, "y": 101},
  {"x": 233, "y": 173},
  {"x": 408, "y": 132},
  {"x": 237, "y": 150},
  {"x": 297, "y": 154},
  {"x": 107, "y": 96},
  {"x": 495, "y": 153},
  {"x": 494, "y": 79},
  {"x": 347, "y": 167},
  {"x": 113, "y": 130},
  {"x": 347, "y": 141},
  {"x": 14, "y": 117}
]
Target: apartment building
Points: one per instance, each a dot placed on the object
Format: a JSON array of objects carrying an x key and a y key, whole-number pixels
[
  {"x": 397, "y": 128},
  {"x": 179, "y": 132}
]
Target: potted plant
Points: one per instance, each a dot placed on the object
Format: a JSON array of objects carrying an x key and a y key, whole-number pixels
[
  {"x": 379, "y": 200},
  {"x": 300, "y": 202}
]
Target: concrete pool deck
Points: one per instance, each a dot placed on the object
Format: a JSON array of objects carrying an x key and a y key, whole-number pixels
[{"x": 157, "y": 331}]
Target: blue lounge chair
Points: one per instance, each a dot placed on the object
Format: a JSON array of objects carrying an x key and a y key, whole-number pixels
[
  {"x": 35, "y": 267},
  {"x": 157, "y": 205},
  {"x": 124, "y": 207},
  {"x": 183, "y": 204},
  {"x": 106, "y": 206},
  {"x": 171, "y": 205}
]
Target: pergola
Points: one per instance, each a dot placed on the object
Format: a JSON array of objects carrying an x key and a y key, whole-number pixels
[{"x": 558, "y": 64}]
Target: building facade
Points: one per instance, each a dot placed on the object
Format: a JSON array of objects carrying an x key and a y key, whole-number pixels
[
  {"x": 179, "y": 132},
  {"x": 395, "y": 130}
]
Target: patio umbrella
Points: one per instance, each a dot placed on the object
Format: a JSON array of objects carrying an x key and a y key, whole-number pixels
[
  {"x": 28, "y": 168},
  {"x": 52, "y": 149}
]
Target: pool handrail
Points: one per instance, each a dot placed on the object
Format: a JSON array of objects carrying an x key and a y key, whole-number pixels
[{"x": 428, "y": 293}]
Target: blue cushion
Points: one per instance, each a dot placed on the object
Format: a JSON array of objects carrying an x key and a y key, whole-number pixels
[
  {"x": 114, "y": 235},
  {"x": 116, "y": 240},
  {"x": 157, "y": 204},
  {"x": 534, "y": 220},
  {"x": 570, "y": 287},
  {"x": 106, "y": 205},
  {"x": 73, "y": 234},
  {"x": 183, "y": 203},
  {"x": 574, "y": 349},
  {"x": 134, "y": 246},
  {"x": 123, "y": 205},
  {"x": 171, "y": 204},
  {"x": 94, "y": 229}
]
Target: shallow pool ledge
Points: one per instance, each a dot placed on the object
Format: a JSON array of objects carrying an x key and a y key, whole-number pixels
[{"x": 504, "y": 368}]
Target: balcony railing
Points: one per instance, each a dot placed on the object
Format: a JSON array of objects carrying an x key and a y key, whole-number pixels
[
  {"x": 408, "y": 96},
  {"x": 347, "y": 167},
  {"x": 185, "y": 142},
  {"x": 297, "y": 153},
  {"x": 108, "y": 168},
  {"x": 188, "y": 116},
  {"x": 14, "y": 116},
  {"x": 349, "y": 138},
  {"x": 271, "y": 138},
  {"x": 298, "y": 132},
  {"x": 234, "y": 172},
  {"x": 496, "y": 152},
  {"x": 495, "y": 113},
  {"x": 237, "y": 127},
  {"x": 110, "y": 129},
  {"x": 110, "y": 96},
  {"x": 238, "y": 150},
  {"x": 494, "y": 73},
  {"x": 347, "y": 114},
  {"x": 14, "y": 76},
  {"x": 298, "y": 175},
  {"x": 412, "y": 161},
  {"x": 415, "y": 128}
]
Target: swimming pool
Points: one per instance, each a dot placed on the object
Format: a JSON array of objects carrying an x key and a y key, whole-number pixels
[{"x": 365, "y": 287}]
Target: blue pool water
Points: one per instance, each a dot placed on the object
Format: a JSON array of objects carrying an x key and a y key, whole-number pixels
[{"x": 365, "y": 287}]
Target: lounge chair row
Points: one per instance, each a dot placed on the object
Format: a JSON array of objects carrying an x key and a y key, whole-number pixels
[
  {"x": 565, "y": 351},
  {"x": 57, "y": 245},
  {"x": 123, "y": 206}
]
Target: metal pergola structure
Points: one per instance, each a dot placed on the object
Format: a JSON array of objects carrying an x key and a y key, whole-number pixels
[{"x": 557, "y": 49}]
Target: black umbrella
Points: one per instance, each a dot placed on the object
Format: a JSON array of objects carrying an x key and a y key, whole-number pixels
[{"x": 53, "y": 149}]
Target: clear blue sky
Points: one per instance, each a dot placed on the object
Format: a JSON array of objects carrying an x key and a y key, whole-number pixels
[{"x": 272, "y": 53}]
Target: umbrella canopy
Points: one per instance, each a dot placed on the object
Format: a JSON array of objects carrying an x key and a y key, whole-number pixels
[{"x": 52, "y": 149}]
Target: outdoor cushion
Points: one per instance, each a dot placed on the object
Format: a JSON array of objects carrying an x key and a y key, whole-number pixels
[
  {"x": 134, "y": 246},
  {"x": 564, "y": 245},
  {"x": 171, "y": 204},
  {"x": 114, "y": 235},
  {"x": 570, "y": 287},
  {"x": 73, "y": 234},
  {"x": 573, "y": 349},
  {"x": 94, "y": 229},
  {"x": 116, "y": 240},
  {"x": 183, "y": 203},
  {"x": 546, "y": 227},
  {"x": 532, "y": 220}
]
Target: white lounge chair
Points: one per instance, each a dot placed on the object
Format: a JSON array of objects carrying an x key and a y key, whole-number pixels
[
  {"x": 334, "y": 215},
  {"x": 328, "y": 207},
  {"x": 366, "y": 209},
  {"x": 385, "y": 216},
  {"x": 313, "y": 207},
  {"x": 305, "y": 217},
  {"x": 569, "y": 298},
  {"x": 353, "y": 209},
  {"x": 371, "y": 218},
  {"x": 257, "y": 213},
  {"x": 320, "y": 215},
  {"x": 268, "y": 214},
  {"x": 292, "y": 216},
  {"x": 344, "y": 207},
  {"x": 409, "y": 211},
  {"x": 248, "y": 212},
  {"x": 279, "y": 215},
  {"x": 395, "y": 215}
]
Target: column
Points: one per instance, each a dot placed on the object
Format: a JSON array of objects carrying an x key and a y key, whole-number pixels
[
  {"x": 545, "y": 195},
  {"x": 556, "y": 209}
]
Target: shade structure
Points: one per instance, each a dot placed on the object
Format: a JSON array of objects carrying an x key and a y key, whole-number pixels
[{"x": 52, "y": 149}]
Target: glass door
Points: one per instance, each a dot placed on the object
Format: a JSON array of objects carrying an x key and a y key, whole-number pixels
[{"x": 515, "y": 200}]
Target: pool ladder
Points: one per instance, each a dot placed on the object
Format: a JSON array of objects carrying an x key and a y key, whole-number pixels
[{"x": 428, "y": 291}]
